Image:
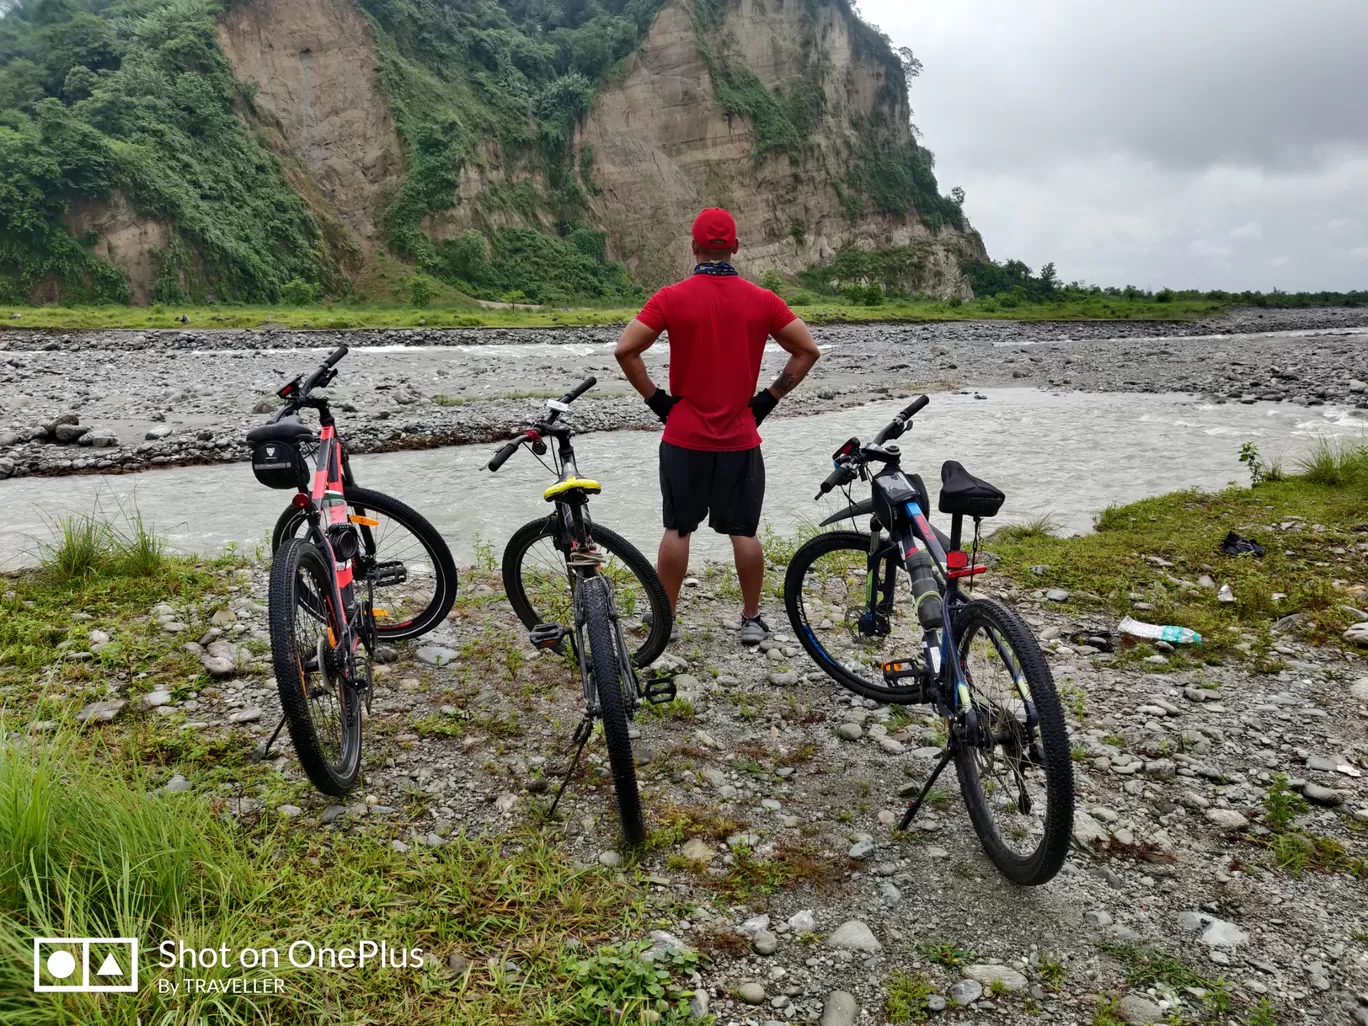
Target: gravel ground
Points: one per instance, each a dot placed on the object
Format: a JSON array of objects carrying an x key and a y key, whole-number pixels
[
  {"x": 107, "y": 402},
  {"x": 470, "y": 727}
]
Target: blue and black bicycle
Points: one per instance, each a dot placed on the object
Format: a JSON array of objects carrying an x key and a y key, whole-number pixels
[{"x": 974, "y": 660}]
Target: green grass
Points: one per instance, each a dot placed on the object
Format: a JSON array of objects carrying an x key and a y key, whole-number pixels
[
  {"x": 1106, "y": 568},
  {"x": 945, "y": 954},
  {"x": 1331, "y": 463},
  {"x": 907, "y": 994},
  {"x": 93, "y": 578},
  {"x": 88, "y": 848},
  {"x": 337, "y": 316}
]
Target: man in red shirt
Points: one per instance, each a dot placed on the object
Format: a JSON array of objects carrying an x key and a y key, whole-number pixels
[{"x": 710, "y": 462}]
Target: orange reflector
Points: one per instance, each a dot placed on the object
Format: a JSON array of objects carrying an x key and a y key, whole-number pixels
[
  {"x": 332, "y": 638},
  {"x": 379, "y": 614},
  {"x": 363, "y": 521}
]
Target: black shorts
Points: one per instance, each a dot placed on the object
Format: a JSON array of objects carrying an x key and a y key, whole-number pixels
[{"x": 726, "y": 487}]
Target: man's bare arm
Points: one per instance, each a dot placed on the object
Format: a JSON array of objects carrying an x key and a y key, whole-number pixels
[
  {"x": 636, "y": 339},
  {"x": 797, "y": 341}
]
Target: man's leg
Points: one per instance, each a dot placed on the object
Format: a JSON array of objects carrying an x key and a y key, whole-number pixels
[
  {"x": 673, "y": 564},
  {"x": 737, "y": 501},
  {"x": 684, "y": 503},
  {"x": 750, "y": 568}
]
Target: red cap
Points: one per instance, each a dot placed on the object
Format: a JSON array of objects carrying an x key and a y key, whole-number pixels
[{"x": 715, "y": 229}]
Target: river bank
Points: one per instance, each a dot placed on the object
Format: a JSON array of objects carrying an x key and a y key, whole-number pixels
[
  {"x": 1218, "y": 874},
  {"x": 147, "y": 399}
]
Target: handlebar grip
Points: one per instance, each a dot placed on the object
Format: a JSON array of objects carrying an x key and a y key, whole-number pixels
[
  {"x": 503, "y": 455},
  {"x": 838, "y": 477},
  {"x": 580, "y": 389},
  {"x": 918, "y": 404},
  {"x": 335, "y": 357}
]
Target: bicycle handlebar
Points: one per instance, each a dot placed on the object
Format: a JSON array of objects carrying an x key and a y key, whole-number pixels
[
  {"x": 321, "y": 375},
  {"x": 580, "y": 389},
  {"x": 503, "y": 455},
  {"x": 895, "y": 427},
  {"x": 841, "y": 475}
]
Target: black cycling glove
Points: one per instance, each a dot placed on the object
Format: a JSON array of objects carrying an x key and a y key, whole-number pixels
[
  {"x": 762, "y": 405},
  {"x": 662, "y": 403}
]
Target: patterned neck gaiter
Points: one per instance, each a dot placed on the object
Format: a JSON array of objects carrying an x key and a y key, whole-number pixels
[{"x": 718, "y": 267}]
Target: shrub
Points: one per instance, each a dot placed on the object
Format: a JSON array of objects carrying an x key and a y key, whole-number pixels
[
  {"x": 421, "y": 288},
  {"x": 298, "y": 292}
]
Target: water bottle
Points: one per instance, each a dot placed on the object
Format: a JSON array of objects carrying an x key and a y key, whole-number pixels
[
  {"x": 1159, "y": 632},
  {"x": 924, "y": 590}
]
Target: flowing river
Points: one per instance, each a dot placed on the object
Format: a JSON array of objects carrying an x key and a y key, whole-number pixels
[{"x": 1066, "y": 454}]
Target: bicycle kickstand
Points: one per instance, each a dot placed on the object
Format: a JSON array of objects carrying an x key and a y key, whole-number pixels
[
  {"x": 264, "y": 751},
  {"x": 914, "y": 807},
  {"x": 583, "y": 732}
]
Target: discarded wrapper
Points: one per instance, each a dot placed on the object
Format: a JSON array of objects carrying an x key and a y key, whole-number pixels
[{"x": 1155, "y": 632}]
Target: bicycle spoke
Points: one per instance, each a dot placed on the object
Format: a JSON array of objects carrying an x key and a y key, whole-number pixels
[{"x": 1014, "y": 788}]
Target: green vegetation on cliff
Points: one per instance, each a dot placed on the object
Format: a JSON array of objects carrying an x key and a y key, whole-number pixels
[
  {"x": 134, "y": 96},
  {"x": 126, "y": 114},
  {"x": 476, "y": 81}
]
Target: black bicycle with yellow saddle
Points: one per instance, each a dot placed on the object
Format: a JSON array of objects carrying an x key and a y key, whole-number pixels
[{"x": 569, "y": 578}]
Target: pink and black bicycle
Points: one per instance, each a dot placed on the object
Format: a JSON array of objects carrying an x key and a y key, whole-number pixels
[{"x": 338, "y": 549}]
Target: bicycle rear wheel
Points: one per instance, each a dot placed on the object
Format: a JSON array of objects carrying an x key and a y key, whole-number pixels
[
  {"x": 540, "y": 586},
  {"x": 322, "y": 709},
  {"x": 413, "y": 571},
  {"x": 1018, "y": 782},
  {"x": 826, "y": 599},
  {"x": 610, "y": 684}
]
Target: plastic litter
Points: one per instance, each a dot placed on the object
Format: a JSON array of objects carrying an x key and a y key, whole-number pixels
[
  {"x": 1234, "y": 545},
  {"x": 1157, "y": 632},
  {"x": 1225, "y": 594}
]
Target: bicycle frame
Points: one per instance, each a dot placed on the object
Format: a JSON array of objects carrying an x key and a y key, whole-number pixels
[
  {"x": 326, "y": 508},
  {"x": 944, "y": 671}
]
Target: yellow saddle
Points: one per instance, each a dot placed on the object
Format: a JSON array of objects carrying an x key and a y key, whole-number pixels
[{"x": 569, "y": 485}]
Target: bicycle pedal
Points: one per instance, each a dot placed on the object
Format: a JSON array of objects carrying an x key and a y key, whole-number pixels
[
  {"x": 660, "y": 690},
  {"x": 900, "y": 669},
  {"x": 383, "y": 575},
  {"x": 548, "y": 636}
]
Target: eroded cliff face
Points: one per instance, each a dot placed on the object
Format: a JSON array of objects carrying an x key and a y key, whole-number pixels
[
  {"x": 661, "y": 146},
  {"x": 662, "y": 149},
  {"x": 127, "y": 238},
  {"x": 312, "y": 64}
]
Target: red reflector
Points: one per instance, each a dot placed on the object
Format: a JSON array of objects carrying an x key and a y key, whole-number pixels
[
  {"x": 968, "y": 571},
  {"x": 956, "y": 560},
  {"x": 301, "y": 500}
]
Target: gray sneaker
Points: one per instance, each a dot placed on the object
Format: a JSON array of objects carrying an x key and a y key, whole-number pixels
[
  {"x": 648, "y": 621},
  {"x": 753, "y": 630}
]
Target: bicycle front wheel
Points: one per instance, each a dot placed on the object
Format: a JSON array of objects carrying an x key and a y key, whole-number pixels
[
  {"x": 410, "y": 564},
  {"x": 322, "y": 709},
  {"x": 540, "y": 586},
  {"x": 1018, "y": 780},
  {"x": 610, "y": 683},
  {"x": 848, "y": 634}
]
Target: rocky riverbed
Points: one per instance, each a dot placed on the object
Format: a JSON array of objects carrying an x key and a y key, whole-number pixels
[
  {"x": 116, "y": 401},
  {"x": 772, "y": 794}
]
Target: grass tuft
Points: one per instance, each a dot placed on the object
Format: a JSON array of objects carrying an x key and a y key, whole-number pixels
[{"x": 1334, "y": 464}]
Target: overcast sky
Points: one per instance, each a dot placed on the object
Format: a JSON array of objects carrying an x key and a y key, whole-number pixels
[{"x": 1187, "y": 143}]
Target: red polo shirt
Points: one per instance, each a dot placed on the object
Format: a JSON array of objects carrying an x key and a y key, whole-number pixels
[{"x": 718, "y": 326}]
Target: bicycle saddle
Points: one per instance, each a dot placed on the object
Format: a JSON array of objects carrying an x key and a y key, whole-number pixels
[
  {"x": 287, "y": 429},
  {"x": 967, "y": 495}
]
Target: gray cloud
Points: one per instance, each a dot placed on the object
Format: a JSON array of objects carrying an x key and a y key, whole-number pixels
[{"x": 1211, "y": 143}]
